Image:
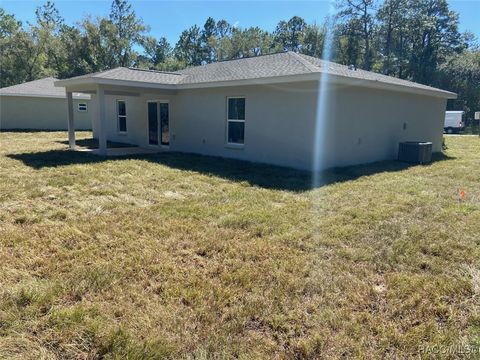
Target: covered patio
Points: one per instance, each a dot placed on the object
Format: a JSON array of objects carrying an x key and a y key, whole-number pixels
[{"x": 119, "y": 83}]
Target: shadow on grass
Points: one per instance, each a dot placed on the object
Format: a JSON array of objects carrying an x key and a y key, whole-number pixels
[
  {"x": 93, "y": 144},
  {"x": 266, "y": 176}
]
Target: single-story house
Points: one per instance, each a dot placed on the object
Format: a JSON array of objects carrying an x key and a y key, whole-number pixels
[
  {"x": 39, "y": 105},
  {"x": 285, "y": 109}
]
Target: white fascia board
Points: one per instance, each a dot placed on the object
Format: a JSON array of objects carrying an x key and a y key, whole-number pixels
[
  {"x": 79, "y": 97},
  {"x": 137, "y": 84},
  {"x": 100, "y": 81}
]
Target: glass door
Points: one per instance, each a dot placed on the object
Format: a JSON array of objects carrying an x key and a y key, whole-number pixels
[
  {"x": 158, "y": 123},
  {"x": 153, "y": 123},
  {"x": 164, "y": 128}
]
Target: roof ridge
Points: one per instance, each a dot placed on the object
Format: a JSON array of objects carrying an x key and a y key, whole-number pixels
[{"x": 305, "y": 62}]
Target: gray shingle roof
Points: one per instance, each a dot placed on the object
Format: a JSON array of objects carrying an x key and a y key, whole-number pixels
[
  {"x": 260, "y": 67},
  {"x": 342, "y": 70},
  {"x": 39, "y": 88},
  {"x": 281, "y": 64},
  {"x": 129, "y": 74}
]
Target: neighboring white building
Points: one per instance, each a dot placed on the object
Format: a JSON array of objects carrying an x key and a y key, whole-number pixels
[
  {"x": 264, "y": 109},
  {"x": 39, "y": 105}
]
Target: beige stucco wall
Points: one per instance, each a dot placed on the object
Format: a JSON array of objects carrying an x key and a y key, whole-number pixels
[
  {"x": 21, "y": 112},
  {"x": 363, "y": 125},
  {"x": 369, "y": 124},
  {"x": 137, "y": 122},
  {"x": 278, "y": 123}
]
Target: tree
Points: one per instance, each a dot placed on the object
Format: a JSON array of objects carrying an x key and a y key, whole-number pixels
[
  {"x": 392, "y": 19},
  {"x": 290, "y": 34},
  {"x": 189, "y": 47},
  {"x": 77, "y": 53},
  {"x": 223, "y": 29},
  {"x": 9, "y": 29},
  {"x": 223, "y": 33},
  {"x": 48, "y": 17},
  {"x": 434, "y": 35},
  {"x": 127, "y": 31},
  {"x": 157, "y": 51},
  {"x": 208, "y": 39},
  {"x": 29, "y": 57},
  {"x": 96, "y": 43},
  {"x": 8, "y": 25},
  {"x": 33, "y": 53},
  {"x": 47, "y": 30},
  {"x": 461, "y": 73},
  {"x": 358, "y": 23},
  {"x": 313, "y": 40},
  {"x": 348, "y": 48}
]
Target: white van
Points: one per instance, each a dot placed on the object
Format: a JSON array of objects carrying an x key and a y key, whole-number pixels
[{"x": 453, "y": 122}]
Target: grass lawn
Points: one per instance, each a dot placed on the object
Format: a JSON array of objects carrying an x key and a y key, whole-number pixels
[{"x": 183, "y": 256}]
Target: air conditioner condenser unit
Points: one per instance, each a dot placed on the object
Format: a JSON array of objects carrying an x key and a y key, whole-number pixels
[{"x": 415, "y": 152}]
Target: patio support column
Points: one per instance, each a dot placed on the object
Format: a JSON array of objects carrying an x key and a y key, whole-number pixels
[
  {"x": 71, "y": 122},
  {"x": 102, "y": 131}
]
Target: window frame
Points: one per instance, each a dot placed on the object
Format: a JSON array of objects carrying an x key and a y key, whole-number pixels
[
  {"x": 82, "y": 105},
  {"x": 234, "y": 144},
  {"x": 121, "y": 116}
]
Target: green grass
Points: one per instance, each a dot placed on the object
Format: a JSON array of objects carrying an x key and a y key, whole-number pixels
[{"x": 183, "y": 256}]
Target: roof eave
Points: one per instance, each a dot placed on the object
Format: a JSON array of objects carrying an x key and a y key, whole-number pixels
[
  {"x": 71, "y": 83},
  {"x": 318, "y": 76},
  {"x": 80, "y": 97},
  {"x": 311, "y": 76},
  {"x": 252, "y": 81},
  {"x": 375, "y": 84}
]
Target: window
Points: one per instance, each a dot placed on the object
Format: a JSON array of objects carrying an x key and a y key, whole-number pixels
[
  {"x": 82, "y": 107},
  {"x": 122, "y": 116},
  {"x": 236, "y": 120}
]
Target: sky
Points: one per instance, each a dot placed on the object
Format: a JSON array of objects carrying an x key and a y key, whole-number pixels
[{"x": 170, "y": 18}]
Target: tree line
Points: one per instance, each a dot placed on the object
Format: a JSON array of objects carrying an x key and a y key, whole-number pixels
[{"x": 417, "y": 40}]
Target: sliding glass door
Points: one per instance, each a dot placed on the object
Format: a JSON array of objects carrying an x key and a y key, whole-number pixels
[
  {"x": 152, "y": 123},
  {"x": 164, "y": 130},
  {"x": 158, "y": 123}
]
